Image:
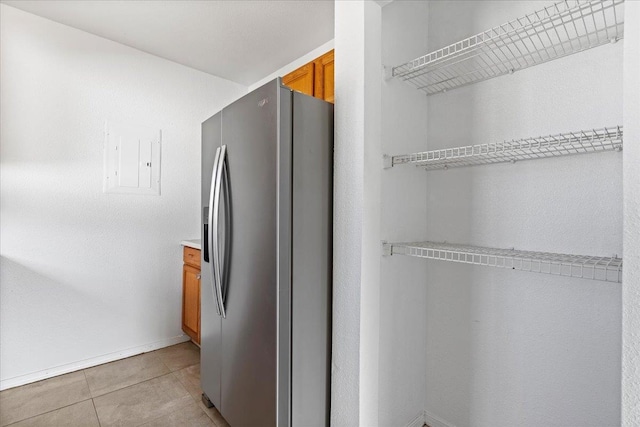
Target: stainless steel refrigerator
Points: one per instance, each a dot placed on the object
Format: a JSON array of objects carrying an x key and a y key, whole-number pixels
[{"x": 267, "y": 189}]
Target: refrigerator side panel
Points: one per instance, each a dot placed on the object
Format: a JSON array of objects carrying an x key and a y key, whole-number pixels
[
  {"x": 311, "y": 260},
  {"x": 284, "y": 258},
  {"x": 250, "y": 132},
  {"x": 210, "y": 322}
]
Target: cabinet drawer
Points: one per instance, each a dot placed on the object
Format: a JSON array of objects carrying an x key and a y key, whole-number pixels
[{"x": 192, "y": 256}]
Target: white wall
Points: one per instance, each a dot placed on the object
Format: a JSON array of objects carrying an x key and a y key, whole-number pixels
[
  {"x": 631, "y": 274},
  {"x": 402, "y": 291},
  {"x": 347, "y": 213},
  {"x": 509, "y": 348},
  {"x": 356, "y": 252},
  {"x": 370, "y": 315},
  {"x": 85, "y": 276}
]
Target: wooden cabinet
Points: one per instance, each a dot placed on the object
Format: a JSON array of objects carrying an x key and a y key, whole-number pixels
[
  {"x": 324, "y": 77},
  {"x": 315, "y": 78},
  {"x": 191, "y": 293},
  {"x": 301, "y": 79}
]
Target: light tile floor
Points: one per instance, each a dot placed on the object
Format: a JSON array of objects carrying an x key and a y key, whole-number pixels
[{"x": 160, "y": 388}]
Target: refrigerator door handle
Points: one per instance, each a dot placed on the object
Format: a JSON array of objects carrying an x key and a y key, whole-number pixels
[
  {"x": 224, "y": 283},
  {"x": 216, "y": 228},
  {"x": 212, "y": 230}
]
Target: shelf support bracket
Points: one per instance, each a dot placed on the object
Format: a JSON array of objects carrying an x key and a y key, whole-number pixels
[
  {"x": 387, "y": 72},
  {"x": 387, "y": 162},
  {"x": 387, "y": 248}
]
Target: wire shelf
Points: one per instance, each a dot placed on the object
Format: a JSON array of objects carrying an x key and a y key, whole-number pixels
[
  {"x": 608, "y": 269},
  {"x": 563, "y": 144},
  {"x": 558, "y": 30}
]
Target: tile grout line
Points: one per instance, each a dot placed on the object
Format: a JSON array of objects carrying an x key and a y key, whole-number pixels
[
  {"x": 96, "y": 411},
  {"x": 166, "y": 415},
  {"x": 183, "y": 384},
  {"x": 84, "y": 371},
  {"x": 169, "y": 371},
  {"x": 141, "y": 382},
  {"x": 92, "y": 397},
  {"x": 56, "y": 409},
  {"x": 164, "y": 364},
  {"x": 195, "y": 399},
  {"x": 129, "y": 385},
  {"x": 44, "y": 413}
]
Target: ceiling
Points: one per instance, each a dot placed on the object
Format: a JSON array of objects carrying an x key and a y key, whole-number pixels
[{"x": 239, "y": 40}]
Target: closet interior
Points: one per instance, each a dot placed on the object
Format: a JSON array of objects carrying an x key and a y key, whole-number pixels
[{"x": 469, "y": 184}]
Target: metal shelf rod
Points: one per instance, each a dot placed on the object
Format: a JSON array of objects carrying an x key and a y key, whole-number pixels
[
  {"x": 608, "y": 269},
  {"x": 564, "y": 144},
  {"x": 564, "y": 28}
]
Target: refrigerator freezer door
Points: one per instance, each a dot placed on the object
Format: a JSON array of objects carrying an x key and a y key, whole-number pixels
[
  {"x": 249, "y": 331},
  {"x": 210, "y": 321}
]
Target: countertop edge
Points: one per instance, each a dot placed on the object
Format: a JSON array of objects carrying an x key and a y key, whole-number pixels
[{"x": 195, "y": 244}]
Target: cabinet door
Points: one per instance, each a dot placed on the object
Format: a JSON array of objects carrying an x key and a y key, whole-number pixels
[
  {"x": 324, "y": 77},
  {"x": 301, "y": 80},
  {"x": 191, "y": 302}
]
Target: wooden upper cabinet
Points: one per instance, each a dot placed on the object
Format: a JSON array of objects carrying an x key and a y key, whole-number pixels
[
  {"x": 301, "y": 79},
  {"x": 324, "y": 78},
  {"x": 315, "y": 78}
]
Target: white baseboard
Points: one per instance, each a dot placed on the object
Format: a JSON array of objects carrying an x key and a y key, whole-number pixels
[
  {"x": 418, "y": 421},
  {"x": 434, "y": 421},
  {"x": 429, "y": 419},
  {"x": 88, "y": 363}
]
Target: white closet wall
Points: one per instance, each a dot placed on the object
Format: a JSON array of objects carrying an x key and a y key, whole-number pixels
[
  {"x": 631, "y": 279},
  {"x": 501, "y": 347},
  {"x": 403, "y": 294}
]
